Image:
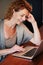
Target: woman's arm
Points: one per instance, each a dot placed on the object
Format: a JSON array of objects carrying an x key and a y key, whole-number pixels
[
  {"x": 11, "y": 50},
  {"x": 36, "y": 38},
  {"x": 5, "y": 52}
]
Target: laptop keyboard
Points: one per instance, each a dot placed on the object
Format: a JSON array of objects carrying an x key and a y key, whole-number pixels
[{"x": 30, "y": 53}]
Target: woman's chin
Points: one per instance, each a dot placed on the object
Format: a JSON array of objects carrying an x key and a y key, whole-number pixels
[{"x": 18, "y": 23}]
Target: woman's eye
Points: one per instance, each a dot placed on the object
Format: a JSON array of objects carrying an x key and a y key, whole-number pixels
[
  {"x": 22, "y": 15},
  {"x": 26, "y": 16}
]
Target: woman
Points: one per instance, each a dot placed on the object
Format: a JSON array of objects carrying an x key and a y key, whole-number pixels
[{"x": 15, "y": 30}]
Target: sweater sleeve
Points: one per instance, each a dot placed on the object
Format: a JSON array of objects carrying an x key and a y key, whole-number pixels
[{"x": 23, "y": 34}]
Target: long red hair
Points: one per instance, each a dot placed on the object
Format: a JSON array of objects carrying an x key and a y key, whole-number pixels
[{"x": 17, "y": 5}]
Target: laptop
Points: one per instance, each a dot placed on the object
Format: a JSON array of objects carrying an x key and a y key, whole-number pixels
[{"x": 30, "y": 52}]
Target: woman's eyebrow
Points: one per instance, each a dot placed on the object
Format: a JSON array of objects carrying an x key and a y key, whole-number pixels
[{"x": 22, "y": 15}]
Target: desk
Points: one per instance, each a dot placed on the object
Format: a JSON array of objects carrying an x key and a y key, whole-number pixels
[{"x": 10, "y": 60}]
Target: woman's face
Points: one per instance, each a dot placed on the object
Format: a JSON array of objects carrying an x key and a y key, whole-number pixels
[{"x": 21, "y": 15}]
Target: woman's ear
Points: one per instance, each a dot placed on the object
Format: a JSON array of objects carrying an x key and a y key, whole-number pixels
[
  {"x": 13, "y": 10},
  {"x": 14, "y": 13}
]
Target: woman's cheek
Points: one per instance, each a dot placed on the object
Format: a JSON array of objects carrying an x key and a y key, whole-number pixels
[{"x": 23, "y": 19}]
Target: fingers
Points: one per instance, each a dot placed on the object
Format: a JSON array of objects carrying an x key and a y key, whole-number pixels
[
  {"x": 18, "y": 48},
  {"x": 21, "y": 48}
]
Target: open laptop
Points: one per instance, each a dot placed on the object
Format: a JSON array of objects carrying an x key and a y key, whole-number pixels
[{"x": 30, "y": 52}]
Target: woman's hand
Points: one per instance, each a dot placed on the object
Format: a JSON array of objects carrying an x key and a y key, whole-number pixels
[
  {"x": 17, "y": 48},
  {"x": 30, "y": 18}
]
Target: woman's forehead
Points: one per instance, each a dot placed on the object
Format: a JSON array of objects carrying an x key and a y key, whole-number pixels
[{"x": 24, "y": 11}]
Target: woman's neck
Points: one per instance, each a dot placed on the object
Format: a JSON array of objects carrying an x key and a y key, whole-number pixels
[{"x": 8, "y": 31}]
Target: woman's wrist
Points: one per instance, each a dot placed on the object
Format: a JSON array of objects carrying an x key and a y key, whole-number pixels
[
  {"x": 12, "y": 50},
  {"x": 34, "y": 23}
]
